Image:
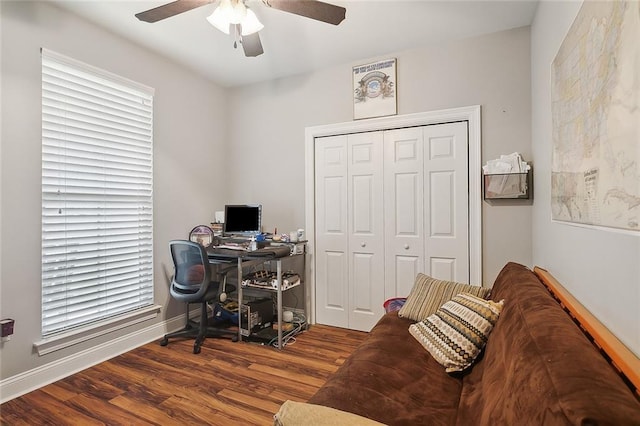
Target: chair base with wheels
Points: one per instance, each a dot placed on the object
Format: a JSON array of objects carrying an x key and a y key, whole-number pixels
[{"x": 199, "y": 330}]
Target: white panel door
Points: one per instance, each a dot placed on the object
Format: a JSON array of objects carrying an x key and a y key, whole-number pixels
[
  {"x": 388, "y": 205},
  {"x": 404, "y": 225},
  {"x": 446, "y": 201},
  {"x": 366, "y": 232},
  {"x": 331, "y": 233}
]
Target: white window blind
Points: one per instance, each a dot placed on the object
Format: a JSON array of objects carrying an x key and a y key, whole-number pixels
[{"x": 97, "y": 181}]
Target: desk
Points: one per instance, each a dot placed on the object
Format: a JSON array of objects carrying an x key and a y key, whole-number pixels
[{"x": 241, "y": 259}]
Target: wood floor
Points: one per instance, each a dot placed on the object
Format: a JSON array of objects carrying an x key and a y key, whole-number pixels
[{"x": 226, "y": 384}]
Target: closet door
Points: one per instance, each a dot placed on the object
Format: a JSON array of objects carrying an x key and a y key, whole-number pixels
[
  {"x": 446, "y": 198},
  {"x": 366, "y": 232},
  {"x": 404, "y": 206},
  {"x": 426, "y": 205},
  {"x": 331, "y": 234},
  {"x": 349, "y": 230}
]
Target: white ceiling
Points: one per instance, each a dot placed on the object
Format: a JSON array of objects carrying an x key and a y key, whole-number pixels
[{"x": 293, "y": 44}]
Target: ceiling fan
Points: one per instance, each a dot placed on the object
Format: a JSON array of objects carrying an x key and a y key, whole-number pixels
[{"x": 234, "y": 15}]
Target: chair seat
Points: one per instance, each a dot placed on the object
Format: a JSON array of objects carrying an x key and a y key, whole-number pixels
[{"x": 187, "y": 296}]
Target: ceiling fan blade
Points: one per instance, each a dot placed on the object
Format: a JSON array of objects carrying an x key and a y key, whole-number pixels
[
  {"x": 252, "y": 45},
  {"x": 320, "y": 11},
  {"x": 170, "y": 9}
]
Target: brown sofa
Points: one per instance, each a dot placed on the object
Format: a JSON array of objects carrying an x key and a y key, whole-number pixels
[{"x": 537, "y": 368}]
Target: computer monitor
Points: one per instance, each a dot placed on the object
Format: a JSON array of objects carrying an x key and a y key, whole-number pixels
[{"x": 242, "y": 219}]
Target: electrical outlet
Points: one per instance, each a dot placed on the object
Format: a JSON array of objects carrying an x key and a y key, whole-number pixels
[{"x": 6, "y": 329}]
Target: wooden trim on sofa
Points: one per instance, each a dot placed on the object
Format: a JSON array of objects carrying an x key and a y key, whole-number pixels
[{"x": 625, "y": 362}]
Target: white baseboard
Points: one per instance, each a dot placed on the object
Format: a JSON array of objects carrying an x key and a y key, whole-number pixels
[{"x": 20, "y": 384}]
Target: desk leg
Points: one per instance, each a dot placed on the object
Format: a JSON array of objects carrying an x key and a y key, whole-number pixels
[
  {"x": 240, "y": 300},
  {"x": 279, "y": 302}
]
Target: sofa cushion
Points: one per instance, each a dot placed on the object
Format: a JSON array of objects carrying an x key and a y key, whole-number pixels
[
  {"x": 458, "y": 331},
  {"x": 428, "y": 294},
  {"x": 388, "y": 378},
  {"x": 539, "y": 368}
]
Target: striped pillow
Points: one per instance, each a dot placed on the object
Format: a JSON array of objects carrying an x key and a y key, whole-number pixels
[
  {"x": 428, "y": 294},
  {"x": 458, "y": 331}
]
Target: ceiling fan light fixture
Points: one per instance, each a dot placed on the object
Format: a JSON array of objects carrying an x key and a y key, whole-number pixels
[
  {"x": 250, "y": 24},
  {"x": 238, "y": 11},
  {"x": 219, "y": 21},
  {"x": 234, "y": 12}
]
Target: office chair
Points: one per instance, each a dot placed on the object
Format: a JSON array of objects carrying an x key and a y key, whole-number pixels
[{"x": 191, "y": 283}]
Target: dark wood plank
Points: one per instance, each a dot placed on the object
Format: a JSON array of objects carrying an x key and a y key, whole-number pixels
[
  {"x": 227, "y": 383},
  {"x": 55, "y": 412}
]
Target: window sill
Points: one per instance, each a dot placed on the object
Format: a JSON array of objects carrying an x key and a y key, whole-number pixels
[{"x": 65, "y": 340}]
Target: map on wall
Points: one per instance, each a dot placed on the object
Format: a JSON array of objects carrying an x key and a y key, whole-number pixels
[{"x": 595, "y": 80}]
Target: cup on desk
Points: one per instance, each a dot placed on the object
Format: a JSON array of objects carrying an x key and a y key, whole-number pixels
[{"x": 293, "y": 236}]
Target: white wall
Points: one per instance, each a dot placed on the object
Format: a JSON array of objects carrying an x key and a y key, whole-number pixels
[
  {"x": 267, "y": 132},
  {"x": 189, "y": 148},
  {"x": 600, "y": 267}
]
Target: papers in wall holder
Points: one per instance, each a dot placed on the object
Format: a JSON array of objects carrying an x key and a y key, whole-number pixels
[
  {"x": 507, "y": 178},
  {"x": 511, "y": 163}
]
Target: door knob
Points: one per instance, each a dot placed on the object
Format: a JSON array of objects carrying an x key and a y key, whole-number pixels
[
  {"x": 406, "y": 246},
  {"x": 363, "y": 244}
]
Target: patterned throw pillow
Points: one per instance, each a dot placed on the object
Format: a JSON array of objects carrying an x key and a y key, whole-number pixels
[
  {"x": 428, "y": 294},
  {"x": 458, "y": 331}
]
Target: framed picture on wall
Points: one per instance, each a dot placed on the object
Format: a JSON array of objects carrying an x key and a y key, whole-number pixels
[{"x": 374, "y": 89}]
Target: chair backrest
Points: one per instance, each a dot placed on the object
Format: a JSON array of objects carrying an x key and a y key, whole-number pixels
[{"x": 192, "y": 274}]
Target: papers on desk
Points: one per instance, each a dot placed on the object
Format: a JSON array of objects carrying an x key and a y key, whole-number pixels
[
  {"x": 508, "y": 176},
  {"x": 233, "y": 247}
]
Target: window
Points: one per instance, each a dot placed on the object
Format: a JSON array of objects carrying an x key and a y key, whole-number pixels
[{"x": 97, "y": 182}]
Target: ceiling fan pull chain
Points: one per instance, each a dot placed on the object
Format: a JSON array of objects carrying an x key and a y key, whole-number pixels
[{"x": 238, "y": 38}]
